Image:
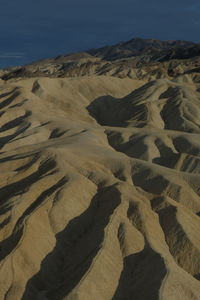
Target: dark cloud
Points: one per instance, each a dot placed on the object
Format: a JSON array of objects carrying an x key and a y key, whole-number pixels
[{"x": 46, "y": 28}]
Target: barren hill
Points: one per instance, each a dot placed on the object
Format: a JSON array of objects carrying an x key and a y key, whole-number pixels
[{"x": 100, "y": 178}]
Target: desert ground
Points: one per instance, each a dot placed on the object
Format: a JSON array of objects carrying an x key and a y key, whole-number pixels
[{"x": 100, "y": 187}]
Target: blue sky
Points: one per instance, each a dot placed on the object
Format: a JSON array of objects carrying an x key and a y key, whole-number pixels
[{"x": 31, "y": 30}]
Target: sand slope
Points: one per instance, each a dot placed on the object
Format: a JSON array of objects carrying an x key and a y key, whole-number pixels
[{"x": 99, "y": 189}]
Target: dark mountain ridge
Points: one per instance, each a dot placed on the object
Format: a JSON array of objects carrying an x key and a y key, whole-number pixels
[
  {"x": 137, "y": 58},
  {"x": 138, "y": 46}
]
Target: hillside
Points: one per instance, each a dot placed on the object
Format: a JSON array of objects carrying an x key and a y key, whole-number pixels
[{"x": 100, "y": 176}]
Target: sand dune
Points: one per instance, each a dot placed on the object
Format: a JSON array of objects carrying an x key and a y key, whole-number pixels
[{"x": 99, "y": 189}]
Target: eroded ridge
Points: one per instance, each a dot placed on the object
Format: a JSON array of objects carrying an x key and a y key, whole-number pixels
[{"x": 99, "y": 189}]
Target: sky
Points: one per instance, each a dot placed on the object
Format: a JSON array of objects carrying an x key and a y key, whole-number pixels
[{"x": 32, "y": 30}]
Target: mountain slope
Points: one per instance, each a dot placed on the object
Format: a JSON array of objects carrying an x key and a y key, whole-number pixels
[
  {"x": 99, "y": 190},
  {"x": 148, "y": 47},
  {"x": 145, "y": 59}
]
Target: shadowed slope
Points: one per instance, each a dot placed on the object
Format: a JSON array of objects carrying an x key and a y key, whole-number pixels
[
  {"x": 148, "y": 263},
  {"x": 63, "y": 269}
]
